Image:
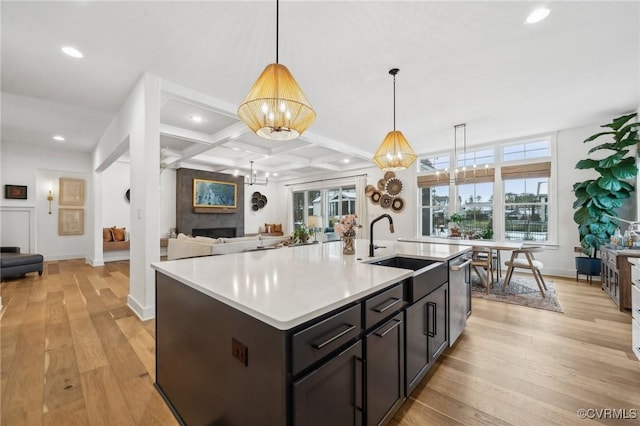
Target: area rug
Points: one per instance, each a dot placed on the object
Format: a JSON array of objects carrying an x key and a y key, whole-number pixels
[{"x": 522, "y": 291}]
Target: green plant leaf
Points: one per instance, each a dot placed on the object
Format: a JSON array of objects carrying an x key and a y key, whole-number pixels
[
  {"x": 583, "y": 216},
  {"x": 612, "y": 146},
  {"x": 581, "y": 185},
  {"x": 594, "y": 189},
  {"x": 597, "y": 135},
  {"x": 587, "y": 164},
  {"x": 609, "y": 183},
  {"x": 626, "y": 169},
  {"x": 611, "y": 160},
  {"x": 620, "y": 121}
]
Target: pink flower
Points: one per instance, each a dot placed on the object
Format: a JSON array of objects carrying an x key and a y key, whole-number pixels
[{"x": 347, "y": 226}]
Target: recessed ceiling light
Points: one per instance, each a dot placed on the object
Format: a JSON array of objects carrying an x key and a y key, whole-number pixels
[
  {"x": 346, "y": 160},
  {"x": 72, "y": 51},
  {"x": 235, "y": 149},
  {"x": 58, "y": 138},
  {"x": 196, "y": 118},
  {"x": 537, "y": 15},
  {"x": 275, "y": 174}
]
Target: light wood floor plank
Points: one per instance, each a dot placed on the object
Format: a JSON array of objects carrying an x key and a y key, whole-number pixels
[
  {"x": 512, "y": 366},
  {"x": 105, "y": 403}
]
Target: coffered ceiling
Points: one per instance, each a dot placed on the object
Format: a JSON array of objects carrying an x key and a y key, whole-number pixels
[{"x": 472, "y": 62}]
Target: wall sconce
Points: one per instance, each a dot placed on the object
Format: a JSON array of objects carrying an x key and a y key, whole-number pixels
[{"x": 50, "y": 197}]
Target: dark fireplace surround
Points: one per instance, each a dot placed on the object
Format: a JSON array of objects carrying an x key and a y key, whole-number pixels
[
  {"x": 214, "y": 232},
  {"x": 212, "y": 224}
]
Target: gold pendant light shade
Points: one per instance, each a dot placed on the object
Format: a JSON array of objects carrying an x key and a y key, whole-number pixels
[
  {"x": 394, "y": 153},
  {"x": 275, "y": 107}
]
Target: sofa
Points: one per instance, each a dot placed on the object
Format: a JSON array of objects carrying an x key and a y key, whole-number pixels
[
  {"x": 13, "y": 263},
  {"x": 185, "y": 246}
]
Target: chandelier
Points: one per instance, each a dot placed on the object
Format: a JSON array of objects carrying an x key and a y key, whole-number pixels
[
  {"x": 460, "y": 174},
  {"x": 276, "y": 108},
  {"x": 253, "y": 178},
  {"x": 394, "y": 153}
]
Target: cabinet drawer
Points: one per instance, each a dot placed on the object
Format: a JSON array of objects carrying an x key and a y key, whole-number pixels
[
  {"x": 635, "y": 302},
  {"x": 635, "y": 337},
  {"x": 317, "y": 341},
  {"x": 382, "y": 306}
]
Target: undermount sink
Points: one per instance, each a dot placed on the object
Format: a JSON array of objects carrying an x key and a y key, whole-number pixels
[
  {"x": 427, "y": 276},
  {"x": 404, "y": 262}
]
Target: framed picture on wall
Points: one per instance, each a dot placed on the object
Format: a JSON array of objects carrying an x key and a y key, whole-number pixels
[
  {"x": 213, "y": 194},
  {"x": 71, "y": 192},
  {"x": 15, "y": 192},
  {"x": 70, "y": 221}
]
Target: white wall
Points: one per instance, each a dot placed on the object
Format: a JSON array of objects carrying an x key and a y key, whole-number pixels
[
  {"x": 37, "y": 169},
  {"x": 116, "y": 209},
  {"x": 271, "y": 213}
]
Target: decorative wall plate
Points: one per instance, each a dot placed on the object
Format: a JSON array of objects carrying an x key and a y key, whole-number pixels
[
  {"x": 385, "y": 201},
  {"x": 397, "y": 204},
  {"x": 381, "y": 184},
  {"x": 368, "y": 190},
  {"x": 389, "y": 175},
  {"x": 375, "y": 197},
  {"x": 128, "y": 194},
  {"x": 393, "y": 187}
]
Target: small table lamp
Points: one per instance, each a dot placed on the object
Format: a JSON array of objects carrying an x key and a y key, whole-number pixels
[{"x": 315, "y": 222}]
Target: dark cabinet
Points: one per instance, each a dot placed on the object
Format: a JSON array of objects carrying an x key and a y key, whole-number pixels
[
  {"x": 385, "y": 370},
  {"x": 616, "y": 275},
  {"x": 426, "y": 334},
  {"x": 332, "y": 393}
]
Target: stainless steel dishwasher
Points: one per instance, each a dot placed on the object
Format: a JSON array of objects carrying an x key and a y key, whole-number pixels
[{"x": 459, "y": 296}]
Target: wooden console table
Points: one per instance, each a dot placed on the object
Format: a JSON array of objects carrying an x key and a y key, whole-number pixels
[{"x": 616, "y": 275}]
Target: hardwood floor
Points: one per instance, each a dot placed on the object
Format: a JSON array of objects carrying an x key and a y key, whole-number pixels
[{"x": 73, "y": 353}]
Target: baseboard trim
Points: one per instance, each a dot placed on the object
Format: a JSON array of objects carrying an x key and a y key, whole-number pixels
[
  {"x": 144, "y": 313},
  {"x": 95, "y": 262}
]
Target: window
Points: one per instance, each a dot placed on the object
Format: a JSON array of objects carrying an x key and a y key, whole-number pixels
[
  {"x": 477, "y": 158},
  {"x": 526, "y": 209},
  {"x": 475, "y": 204},
  {"x": 521, "y": 207},
  {"x": 439, "y": 162},
  {"x": 525, "y": 151},
  {"x": 330, "y": 204},
  {"x": 435, "y": 207}
]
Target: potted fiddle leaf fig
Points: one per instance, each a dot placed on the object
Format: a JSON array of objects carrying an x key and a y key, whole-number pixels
[{"x": 597, "y": 199}]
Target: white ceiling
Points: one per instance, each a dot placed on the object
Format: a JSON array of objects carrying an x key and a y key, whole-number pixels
[{"x": 472, "y": 62}]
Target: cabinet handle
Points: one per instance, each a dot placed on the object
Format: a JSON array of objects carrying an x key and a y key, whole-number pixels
[
  {"x": 394, "y": 300},
  {"x": 384, "y": 333},
  {"x": 347, "y": 328},
  {"x": 433, "y": 319},
  {"x": 358, "y": 384}
]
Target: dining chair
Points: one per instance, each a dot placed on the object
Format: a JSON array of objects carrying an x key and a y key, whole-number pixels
[
  {"x": 527, "y": 262},
  {"x": 482, "y": 264}
]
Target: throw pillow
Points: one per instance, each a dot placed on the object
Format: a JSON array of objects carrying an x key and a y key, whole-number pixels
[
  {"x": 182, "y": 236},
  {"x": 118, "y": 234},
  {"x": 107, "y": 235},
  {"x": 277, "y": 227},
  {"x": 268, "y": 227}
]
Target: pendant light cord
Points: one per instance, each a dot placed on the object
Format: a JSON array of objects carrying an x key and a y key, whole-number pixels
[
  {"x": 394, "y": 102},
  {"x": 277, "y": 26}
]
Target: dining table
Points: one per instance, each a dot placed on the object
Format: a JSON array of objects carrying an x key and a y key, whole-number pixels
[{"x": 498, "y": 246}]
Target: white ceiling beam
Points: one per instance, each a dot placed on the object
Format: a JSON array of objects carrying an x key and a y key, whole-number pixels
[{"x": 185, "y": 94}]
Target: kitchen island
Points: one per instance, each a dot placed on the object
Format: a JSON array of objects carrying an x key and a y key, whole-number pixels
[{"x": 294, "y": 335}]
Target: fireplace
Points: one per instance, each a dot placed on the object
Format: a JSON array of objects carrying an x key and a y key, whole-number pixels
[{"x": 214, "y": 232}]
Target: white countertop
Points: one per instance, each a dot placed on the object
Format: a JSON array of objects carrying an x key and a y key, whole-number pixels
[{"x": 288, "y": 286}]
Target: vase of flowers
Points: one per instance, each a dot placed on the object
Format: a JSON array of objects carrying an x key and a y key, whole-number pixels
[{"x": 346, "y": 228}]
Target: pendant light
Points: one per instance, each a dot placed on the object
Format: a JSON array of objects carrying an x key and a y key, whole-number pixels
[
  {"x": 275, "y": 107},
  {"x": 394, "y": 152}
]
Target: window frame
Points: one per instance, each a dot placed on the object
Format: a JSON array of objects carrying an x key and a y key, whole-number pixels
[{"x": 498, "y": 189}]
